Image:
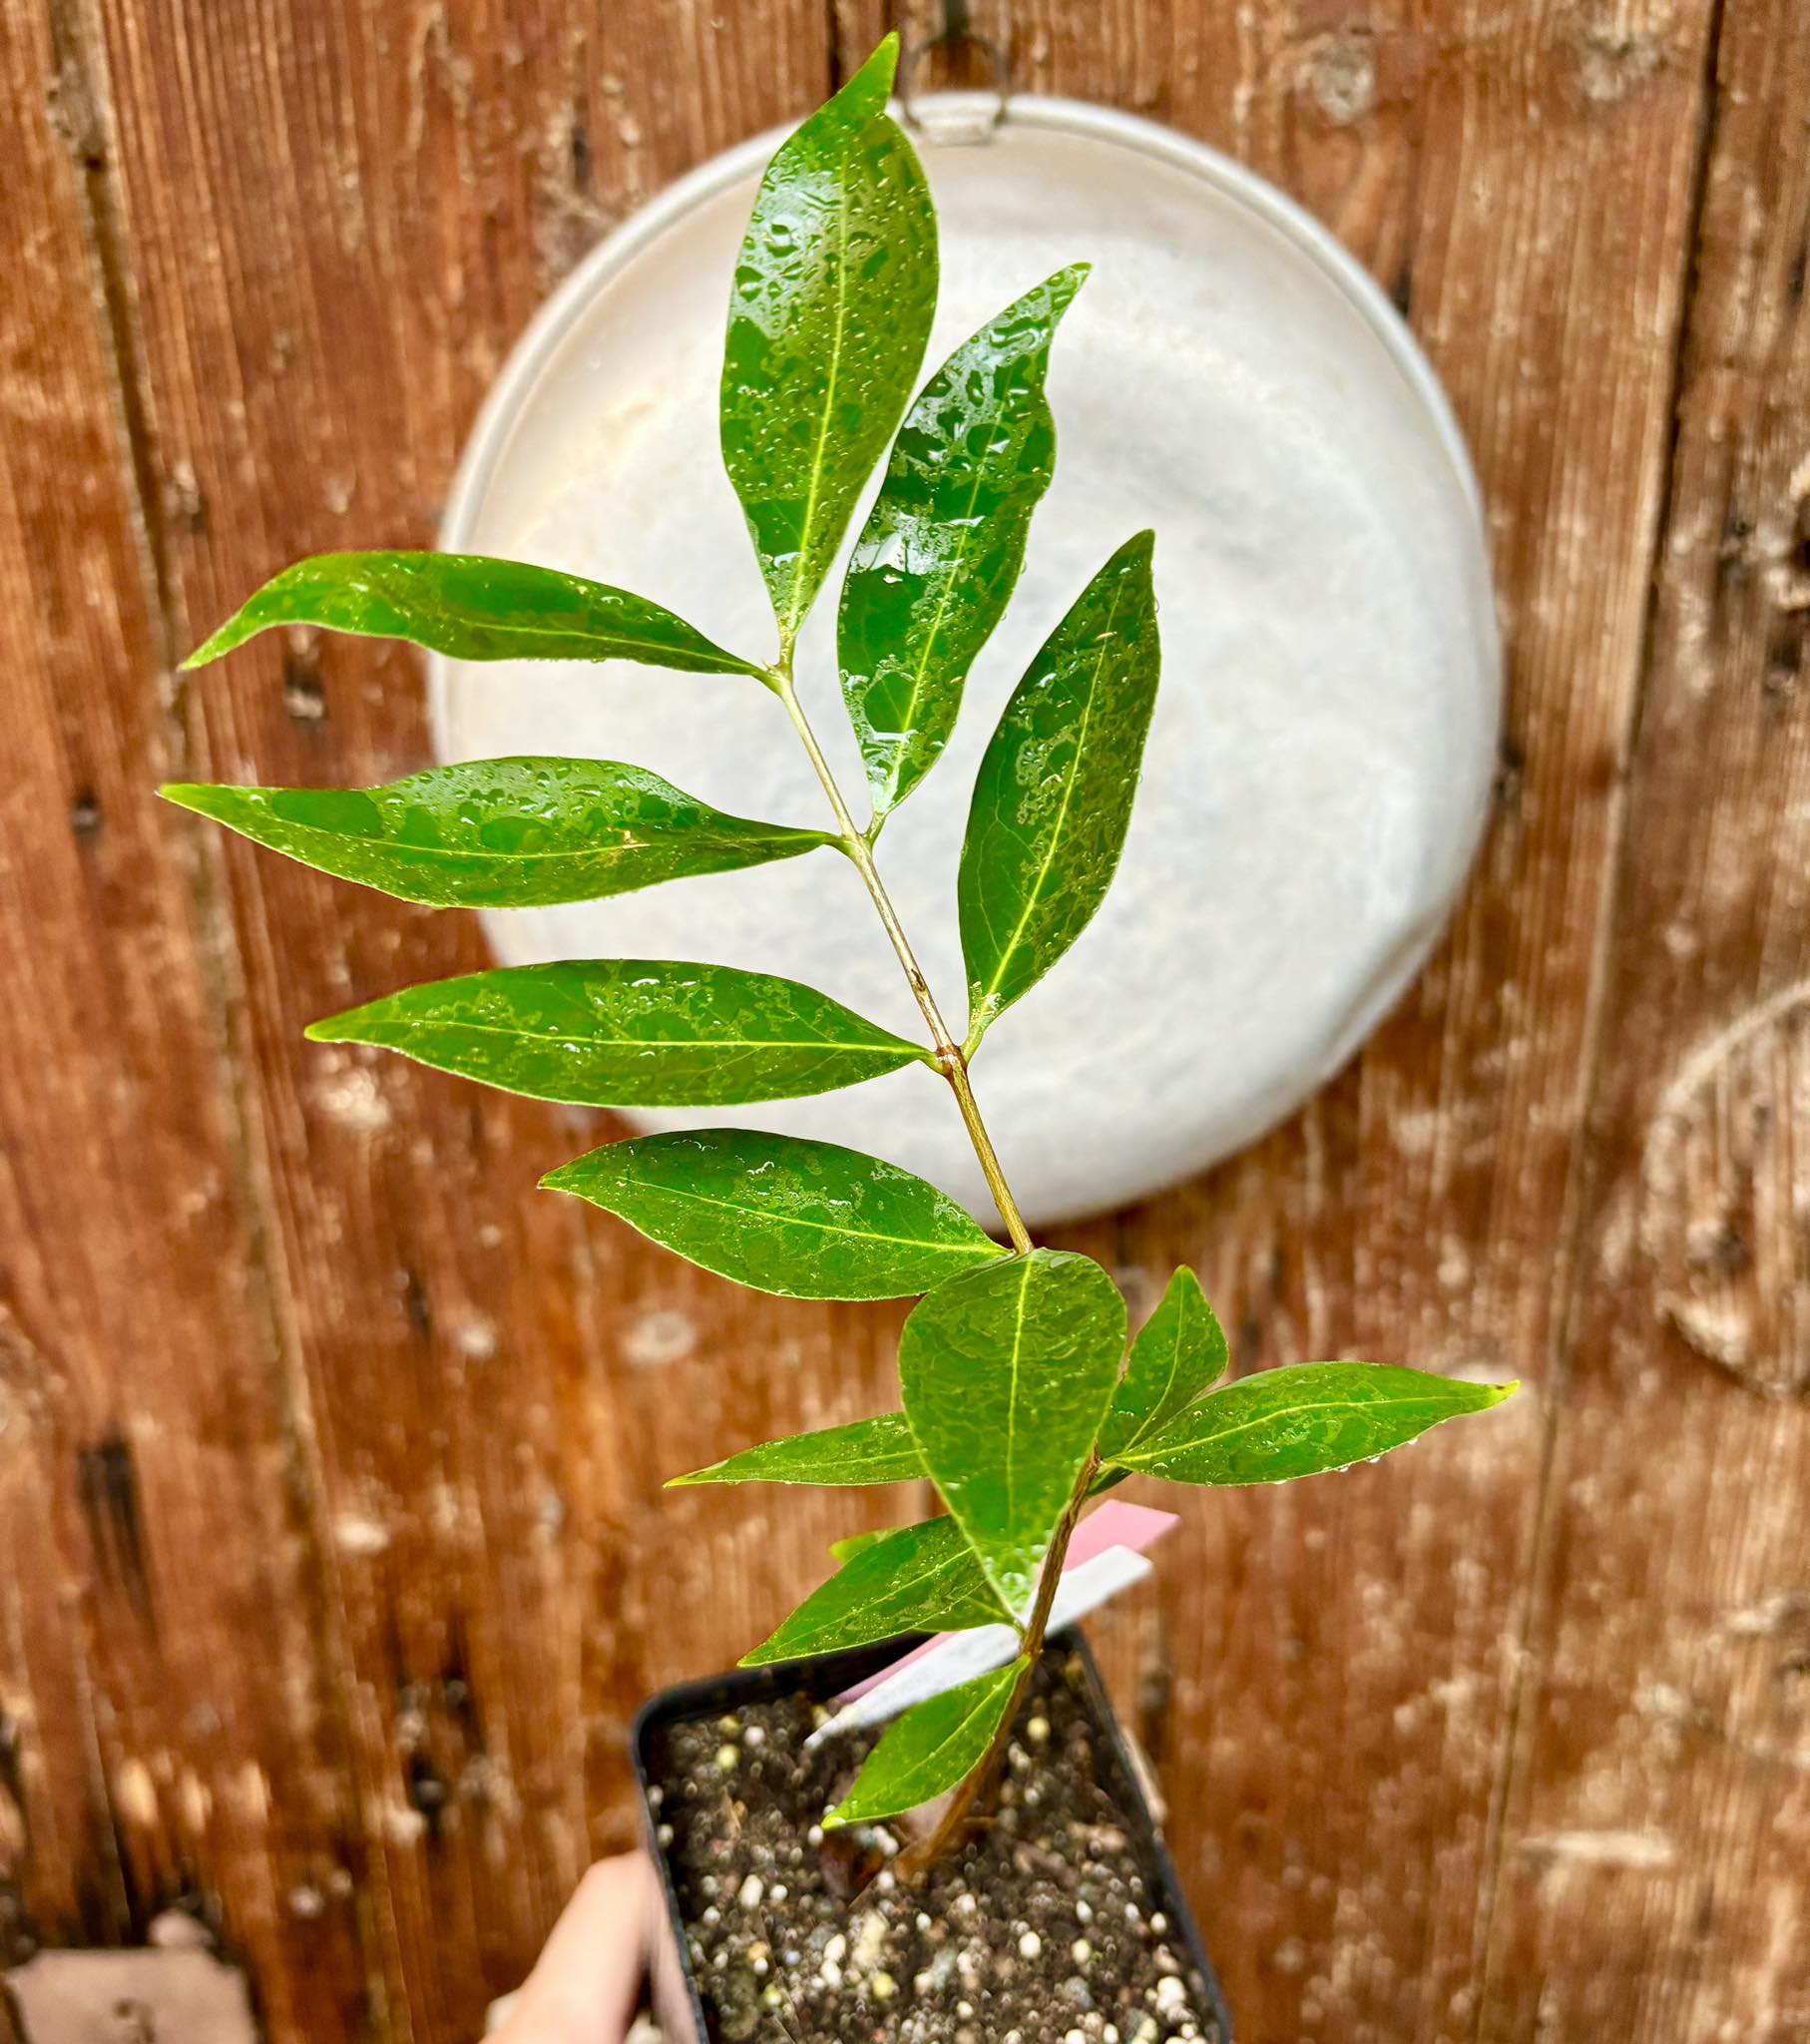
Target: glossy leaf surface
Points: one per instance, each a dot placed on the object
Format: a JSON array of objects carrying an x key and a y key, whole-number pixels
[
  {"x": 1052, "y": 796},
  {"x": 807, "y": 1219},
  {"x": 473, "y": 608},
  {"x": 501, "y": 833},
  {"x": 1179, "y": 1352},
  {"x": 921, "y": 1578},
  {"x": 1006, "y": 1374},
  {"x": 929, "y": 1748},
  {"x": 834, "y": 292},
  {"x": 937, "y": 561},
  {"x": 880, "y": 1450},
  {"x": 629, "y": 1032},
  {"x": 1303, "y": 1420}
]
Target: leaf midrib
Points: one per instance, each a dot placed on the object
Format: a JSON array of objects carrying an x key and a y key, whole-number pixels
[
  {"x": 1018, "y": 1343},
  {"x": 895, "y": 769},
  {"x": 992, "y": 1251},
  {"x": 1281, "y": 1413},
  {"x": 980, "y": 1703},
  {"x": 928, "y": 1567},
  {"x": 693, "y": 641},
  {"x": 794, "y": 607},
  {"x": 1168, "y": 1384},
  {"x": 1035, "y": 894},
  {"x": 871, "y": 1450},
  {"x": 430, "y": 853},
  {"x": 606, "y": 1043}
]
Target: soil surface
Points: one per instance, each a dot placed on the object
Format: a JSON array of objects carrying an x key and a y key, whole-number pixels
[{"x": 1050, "y": 1928}]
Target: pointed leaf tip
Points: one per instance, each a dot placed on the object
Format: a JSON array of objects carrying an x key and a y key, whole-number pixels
[
  {"x": 865, "y": 1451},
  {"x": 1063, "y": 283},
  {"x": 833, "y": 296},
  {"x": 1179, "y": 1352},
  {"x": 1304, "y": 1419}
]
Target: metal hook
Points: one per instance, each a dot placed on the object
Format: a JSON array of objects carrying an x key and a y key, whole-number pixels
[{"x": 957, "y": 28}]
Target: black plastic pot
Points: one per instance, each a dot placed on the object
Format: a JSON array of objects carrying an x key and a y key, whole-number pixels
[{"x": 676, "y": 1997}]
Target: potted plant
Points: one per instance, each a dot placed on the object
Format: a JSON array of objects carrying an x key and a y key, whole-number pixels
[{"x": 810, "y": 1888}]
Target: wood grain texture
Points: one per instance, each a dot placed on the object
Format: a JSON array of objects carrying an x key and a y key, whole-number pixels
[
  {"x": 1341, "y": 1658},
  {"x": 1531, "y": 1694},
  {"x": 323, "y": 227},
  {"x": 153, "y": 1516},
  {"x": 1652, "y": 1879},
  {"x": 499, "y": 1379}
]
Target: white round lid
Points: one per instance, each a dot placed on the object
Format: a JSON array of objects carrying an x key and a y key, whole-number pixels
[{"x": 1321, "y": 762}]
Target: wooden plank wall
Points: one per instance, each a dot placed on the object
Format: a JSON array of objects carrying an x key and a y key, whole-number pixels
[{"x": 334, "y": 1561}]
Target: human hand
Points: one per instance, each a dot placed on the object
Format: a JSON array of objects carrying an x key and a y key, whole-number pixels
[{"x": 587, "y": 1982}]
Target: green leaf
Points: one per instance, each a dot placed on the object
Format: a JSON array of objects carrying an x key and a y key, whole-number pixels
[
  {"x": 1303, "y": 1420},
  {"x": 937, "y": 561},
  {"x": 1179, "y": 1352},
  {"x": 930, "y": 1749},
  {"x": 805, "y": 1219},
  {"x": 878, "y": 1450},
  {"x": 629, "y": 1032},
  {"x": 1007, "y": 1373},
  {"x": 474, "y": 608},
  {"x": 914, "y": 1579},
  {"x": 836, "y": 288},
  {"x": 501, "y": 833},
  {"x": 1053, "y": 793}
]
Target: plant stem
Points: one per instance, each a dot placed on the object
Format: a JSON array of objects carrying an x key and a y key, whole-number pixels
[
  {"x": 979, "y": 1786},
  {"x": 952, "y": 1061}
]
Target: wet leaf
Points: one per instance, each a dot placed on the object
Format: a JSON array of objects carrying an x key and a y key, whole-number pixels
[
  {"x": 1179, "y": 1352},
  {"x": 1302, "y": 1420},
  {"x": 835, "y": 293},
  {"x": 803, "y": 1218},
  {"x": 937, "y": 561},
  {"x": 879, "y": 1451},
  {"x": 1007, "y": 1373},
  {"x": 1052, "y": 796},
  {"x": 929, "y": 1749},
  {"x": 915, "y": 1579},
  {"x": 474, "y": 608},
  {"x": 629, "y": 1032},
  {"x": 501, "y": 833}
]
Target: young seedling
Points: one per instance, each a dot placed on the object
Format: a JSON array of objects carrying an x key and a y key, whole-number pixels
[{"x": 1019, "y": 1397}]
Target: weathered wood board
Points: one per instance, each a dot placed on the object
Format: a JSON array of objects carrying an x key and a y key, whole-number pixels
[
  {"x": 1657, "y": 1828},
  {"x": 334, "y": 1557}
]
